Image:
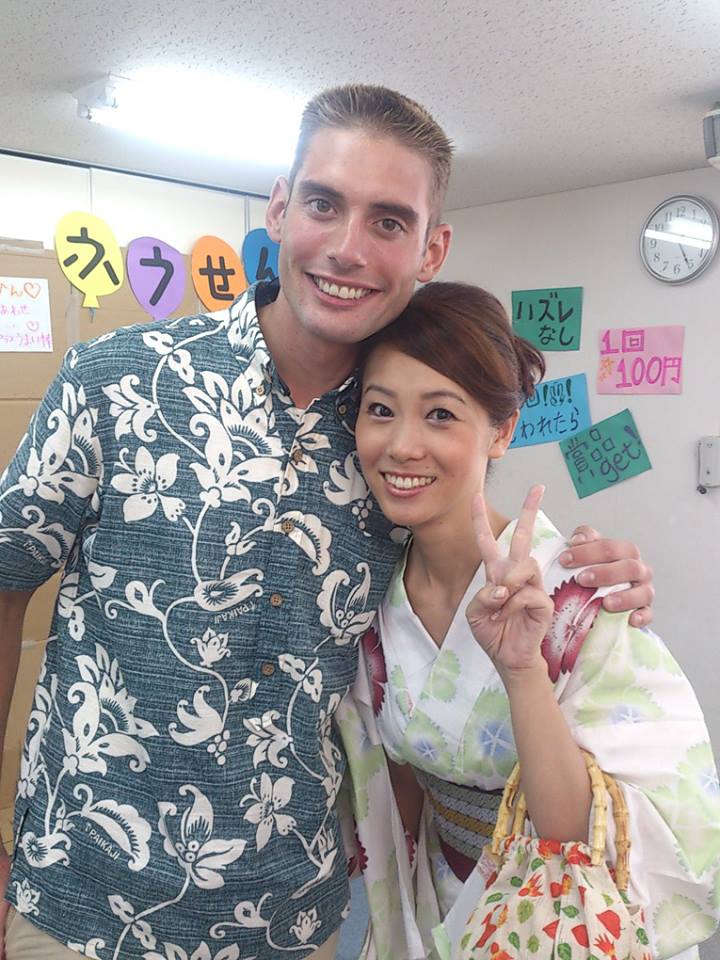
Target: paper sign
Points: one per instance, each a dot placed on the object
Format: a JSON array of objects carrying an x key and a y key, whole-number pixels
[
  {"x": 25, "y": 325},
  {"x": 260, "y": 256},
  {"x": 641, "y": 360},
  {"x": 605, "y": 454},
  {"x": 558, "y": 408},
  {"x": 218, "y": 275},
  {"x": 156, "y": 272},
  {"x": 89, "y": 255},
  {"x": 551, "y": 319}
]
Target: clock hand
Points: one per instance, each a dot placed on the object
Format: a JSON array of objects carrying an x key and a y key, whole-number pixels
[{"x": 684, "y": 255}]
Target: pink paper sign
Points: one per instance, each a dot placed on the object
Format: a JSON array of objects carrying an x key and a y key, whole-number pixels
[{"x": 641, "y": 360}]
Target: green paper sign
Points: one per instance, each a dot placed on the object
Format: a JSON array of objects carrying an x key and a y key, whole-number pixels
[
  {"x": 605, "y": 454},
  {"x": 551, "y": 319}
]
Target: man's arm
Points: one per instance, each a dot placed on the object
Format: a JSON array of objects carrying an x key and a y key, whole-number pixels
[
  {"x": 13, "y": 604},
  {"x": 612, "y": 562}
]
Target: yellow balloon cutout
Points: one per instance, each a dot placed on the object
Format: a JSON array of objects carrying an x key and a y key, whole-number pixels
[{"x": 89, "y": 255}]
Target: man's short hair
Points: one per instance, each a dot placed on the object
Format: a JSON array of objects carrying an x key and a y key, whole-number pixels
[{"x": 383, "y": 112}]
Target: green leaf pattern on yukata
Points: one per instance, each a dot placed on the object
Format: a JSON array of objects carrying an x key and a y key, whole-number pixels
[
  {"x": 690, "y": 805},
  {"x": 650, "y": 652},
  {"x": 680, "y": 923},
  {"x": 426, "y": 747},
  {"x": 365, "y": 759},
  {"x": 442, "y": 682},
  {"x": 399, "y": 686},
  {"x": 488, "y": 746}
]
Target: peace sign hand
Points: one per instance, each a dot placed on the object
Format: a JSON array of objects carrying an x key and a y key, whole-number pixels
[{"x": 511, "y": 614}]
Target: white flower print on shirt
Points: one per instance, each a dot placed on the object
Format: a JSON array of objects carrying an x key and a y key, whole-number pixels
[
  {"x": 212, "y": 647},
  {"x": 306, "y": 924},
  {"x": 26, "y": 898},
  {"x": 268, "y": 739},
  {"x": 132, "y": 410},
  {"x": 265, "y": 811},
  {"x": 146, "y": 483},
  {"x": 202, "y": 857}
]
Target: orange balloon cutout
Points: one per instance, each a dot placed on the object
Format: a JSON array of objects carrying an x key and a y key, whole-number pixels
[{"x": 217, "y": 272}]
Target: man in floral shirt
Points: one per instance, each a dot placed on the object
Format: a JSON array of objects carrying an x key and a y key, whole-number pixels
[{"x": 197, "y": 483}]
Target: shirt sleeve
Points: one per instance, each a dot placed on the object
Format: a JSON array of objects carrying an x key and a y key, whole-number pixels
[
  {"x": 50, "y": 485},
  {"x": 628, "y": 702}
]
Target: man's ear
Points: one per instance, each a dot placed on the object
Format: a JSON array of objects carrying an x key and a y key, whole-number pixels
[
  {"x": 503, "y": 436},
  {"x": 277, "y": 204},
  {"x": 436, "y": 250}
]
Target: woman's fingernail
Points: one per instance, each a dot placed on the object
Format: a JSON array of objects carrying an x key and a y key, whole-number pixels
[
  {"x": 566, "y": 557},
  {"x": 578, "y": 538},
  {"x": 586, "y": 578},
  {"x": 495, "y": 616},
  {"x": 612, "y": 602},
  {"x": 499, "y": 592}
]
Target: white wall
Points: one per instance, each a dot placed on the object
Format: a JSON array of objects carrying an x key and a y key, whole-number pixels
[
  {"x": 590, "y": 238},
  {"x": 34, "y": 194}
]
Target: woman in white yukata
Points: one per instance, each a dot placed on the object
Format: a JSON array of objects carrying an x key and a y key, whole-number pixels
[{"x": 486, "y": 651}]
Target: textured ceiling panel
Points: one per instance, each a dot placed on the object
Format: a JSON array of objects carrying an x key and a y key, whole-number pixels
[{"x": 539, "y": 97}]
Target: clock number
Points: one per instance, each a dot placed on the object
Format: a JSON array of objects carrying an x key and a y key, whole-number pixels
[
  {"x": 677, "y": 270},
  {"x": 656, "y": 257},
  {"x": 666, "y": 264},
  {"x": 681, "y": 211},
  {"x": 652, "y": 243}
]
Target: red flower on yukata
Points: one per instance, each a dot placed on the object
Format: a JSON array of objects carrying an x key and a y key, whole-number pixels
[
  {"x": 377, "y": 671},
  {"x": 360, "y": 860},
  {"x": 574, "y": 614},
  {"x": 411, "y": 847}
]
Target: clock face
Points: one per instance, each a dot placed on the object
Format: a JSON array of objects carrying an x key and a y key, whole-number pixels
[{"x": 679, "y": 239}]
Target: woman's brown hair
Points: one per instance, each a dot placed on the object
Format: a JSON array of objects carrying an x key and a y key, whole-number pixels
[{"x": 464, "y": 333}]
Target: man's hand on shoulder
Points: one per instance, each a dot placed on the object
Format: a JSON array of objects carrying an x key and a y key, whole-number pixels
[{"x": 612, "y": 562}]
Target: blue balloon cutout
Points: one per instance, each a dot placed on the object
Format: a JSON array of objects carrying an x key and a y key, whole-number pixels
[{"x": 260, "y": 256}]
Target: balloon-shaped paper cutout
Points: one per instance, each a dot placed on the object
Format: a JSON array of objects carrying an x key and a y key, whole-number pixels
[
  {"x": 156, "y": 272},
  {"x": 260, "y": 256},
  {"x": 217, "y": 273},
  {"x": 89, "y": 255}
]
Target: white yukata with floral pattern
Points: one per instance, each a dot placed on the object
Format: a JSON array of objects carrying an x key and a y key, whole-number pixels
[{"x": 445, "y": 711}]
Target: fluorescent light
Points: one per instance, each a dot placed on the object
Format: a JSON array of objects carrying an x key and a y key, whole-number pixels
[
  {"x": 670, "y": 237},
  {"x": 199, "y": 113}
]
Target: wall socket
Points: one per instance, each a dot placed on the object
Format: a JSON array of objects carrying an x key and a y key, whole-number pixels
[{"x": 708, "y": 463}]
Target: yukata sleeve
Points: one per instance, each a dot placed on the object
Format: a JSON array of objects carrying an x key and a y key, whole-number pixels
[
  {"x": 49, "y": 485},
  {"x": 628, "y": 702}
]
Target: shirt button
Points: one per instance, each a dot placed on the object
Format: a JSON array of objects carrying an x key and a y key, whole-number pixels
[
  {"x": 297, "y": 455},
  {"x": 260, "y": 390},
  {"x": 267, "y": 669},
  {"x": 342, "y": 409},
  {"x": 276, "y": 600},
  {"x": 287, "y": 526}
]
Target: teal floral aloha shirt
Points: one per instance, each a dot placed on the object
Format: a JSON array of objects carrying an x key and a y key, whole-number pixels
[{"x": 221, "y": 557}]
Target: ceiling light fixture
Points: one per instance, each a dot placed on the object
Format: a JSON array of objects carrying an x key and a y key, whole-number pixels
[{"x": 199, "y": 114}]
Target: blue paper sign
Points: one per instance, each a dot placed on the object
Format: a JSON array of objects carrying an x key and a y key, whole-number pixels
[
  {"x": 260, "y": 256},
  {"x": 559, "y": 409}
]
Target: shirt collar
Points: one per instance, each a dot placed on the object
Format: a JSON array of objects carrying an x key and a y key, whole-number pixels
[{"x": 248, "y": 344}]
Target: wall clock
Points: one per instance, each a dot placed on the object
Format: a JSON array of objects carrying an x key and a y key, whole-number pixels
[{"x": 679, "y": 239}]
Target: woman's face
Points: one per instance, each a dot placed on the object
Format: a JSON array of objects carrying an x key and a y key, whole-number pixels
[{"x": 423, "y": 441}]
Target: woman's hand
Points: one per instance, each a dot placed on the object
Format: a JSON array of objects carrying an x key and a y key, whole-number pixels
[{"x": 511, "y": 614}]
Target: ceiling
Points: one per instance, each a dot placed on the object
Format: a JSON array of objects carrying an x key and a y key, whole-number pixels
[{"x": 539, "y": 96}]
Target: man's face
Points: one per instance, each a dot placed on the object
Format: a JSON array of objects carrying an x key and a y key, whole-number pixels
[{"x": 354, "y": 234}]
